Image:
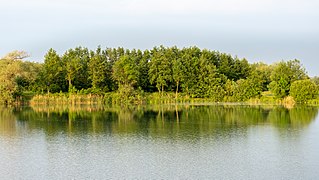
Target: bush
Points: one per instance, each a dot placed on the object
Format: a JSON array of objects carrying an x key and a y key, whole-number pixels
[{"x": 303, "y": 90}]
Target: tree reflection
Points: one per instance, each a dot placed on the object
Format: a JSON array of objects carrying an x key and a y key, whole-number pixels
[
  {"x": 7, "y": 121},
  {"x": 166, "y": 121}
]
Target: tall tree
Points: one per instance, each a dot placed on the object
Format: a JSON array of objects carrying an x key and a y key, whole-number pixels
[
  {"x": 161, "y": 67},
  {"x": 99, "y": 70},
  {"x": 210, "y": 84},
  {"x": 125, "y": 72},
  {"x": 190, "y": 69},
  {"x": 233, "y": 68},
  {"x": 54, "y": 72},
  {"x": 261, "y": 72},
  {"x": 143, "y": 66},
  {"x": 15, "y": 76},
  {"x": 76, "y": 62},
  {"x": 285, "y": 73},
  {"x": 178, "y": 74},
  {"x": 10, "y": 71}
]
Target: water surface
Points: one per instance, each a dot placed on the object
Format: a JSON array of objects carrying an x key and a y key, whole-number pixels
[{"x": 162, "y": 142}]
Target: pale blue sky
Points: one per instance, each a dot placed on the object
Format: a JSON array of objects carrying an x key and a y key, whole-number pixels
[{"x": 259, "y": 30}]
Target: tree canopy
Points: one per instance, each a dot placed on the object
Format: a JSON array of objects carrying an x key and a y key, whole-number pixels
[
  {"x": 303, "y": 90},
  {"x": 190, "y": 71},
  {"x": 16, "y": 76}
]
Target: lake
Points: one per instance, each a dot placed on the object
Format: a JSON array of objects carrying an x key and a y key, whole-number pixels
[{"x": 159, "y": 142}]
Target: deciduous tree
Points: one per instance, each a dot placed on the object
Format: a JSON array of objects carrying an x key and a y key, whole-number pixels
[{"x": 303, "y": 90}]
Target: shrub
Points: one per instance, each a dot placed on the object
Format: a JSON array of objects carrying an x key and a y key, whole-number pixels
[{"x": 303, "y": 90}]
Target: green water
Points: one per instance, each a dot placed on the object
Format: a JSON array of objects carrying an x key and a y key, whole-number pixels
[{"x": 159, "y": 142}]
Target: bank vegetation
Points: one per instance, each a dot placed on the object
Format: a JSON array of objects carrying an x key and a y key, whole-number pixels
[{"x": 160, "y": 75}]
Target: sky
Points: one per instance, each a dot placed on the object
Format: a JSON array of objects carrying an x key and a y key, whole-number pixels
[{"x": 258, "y": 30}]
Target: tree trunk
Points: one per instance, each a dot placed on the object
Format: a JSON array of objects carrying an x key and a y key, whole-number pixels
[
  {"x": 187, "y": 92},
  {"x": 70, "y": 83},
  {"x": 159, "y": 89},
  {"x": 177, "y": 90},
  {"x": 162, "y": 90}
]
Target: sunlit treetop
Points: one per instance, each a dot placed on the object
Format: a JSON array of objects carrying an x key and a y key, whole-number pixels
[{"x": 16, "y": 55}]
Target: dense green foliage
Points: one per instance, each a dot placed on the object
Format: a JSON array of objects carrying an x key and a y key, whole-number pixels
[
  {"x": 303, "y": 90},
  {"x": 17, "y": 76},
  {"x": 283, "y": 74},
  {"x": 188, "y": 72}
]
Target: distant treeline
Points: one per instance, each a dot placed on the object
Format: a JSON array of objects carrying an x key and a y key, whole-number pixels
[{"x": 191, "y": 72}]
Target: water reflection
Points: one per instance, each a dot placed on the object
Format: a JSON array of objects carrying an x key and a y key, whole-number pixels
[
  {"x": 174, "y": 122},
  {"x": 159, "y": 142}
]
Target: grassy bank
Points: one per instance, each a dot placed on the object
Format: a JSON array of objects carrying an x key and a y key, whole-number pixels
[
  {"x": 115, "y": 98},
  {"x": 66, "y": 98}
]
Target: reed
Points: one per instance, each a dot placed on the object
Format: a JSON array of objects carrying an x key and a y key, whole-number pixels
[
  {"x": 140, "y": 98},
  {"x": 66, "y": 98}
]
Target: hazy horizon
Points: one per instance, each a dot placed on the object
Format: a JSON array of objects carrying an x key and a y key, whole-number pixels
[{"x": 262, "y": 30}]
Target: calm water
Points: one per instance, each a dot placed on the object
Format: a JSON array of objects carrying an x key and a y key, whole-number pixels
[{"x": 164, "y": 142}]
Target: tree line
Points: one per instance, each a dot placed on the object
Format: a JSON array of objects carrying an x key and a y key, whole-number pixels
[{"x": 191, "y": 71}]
